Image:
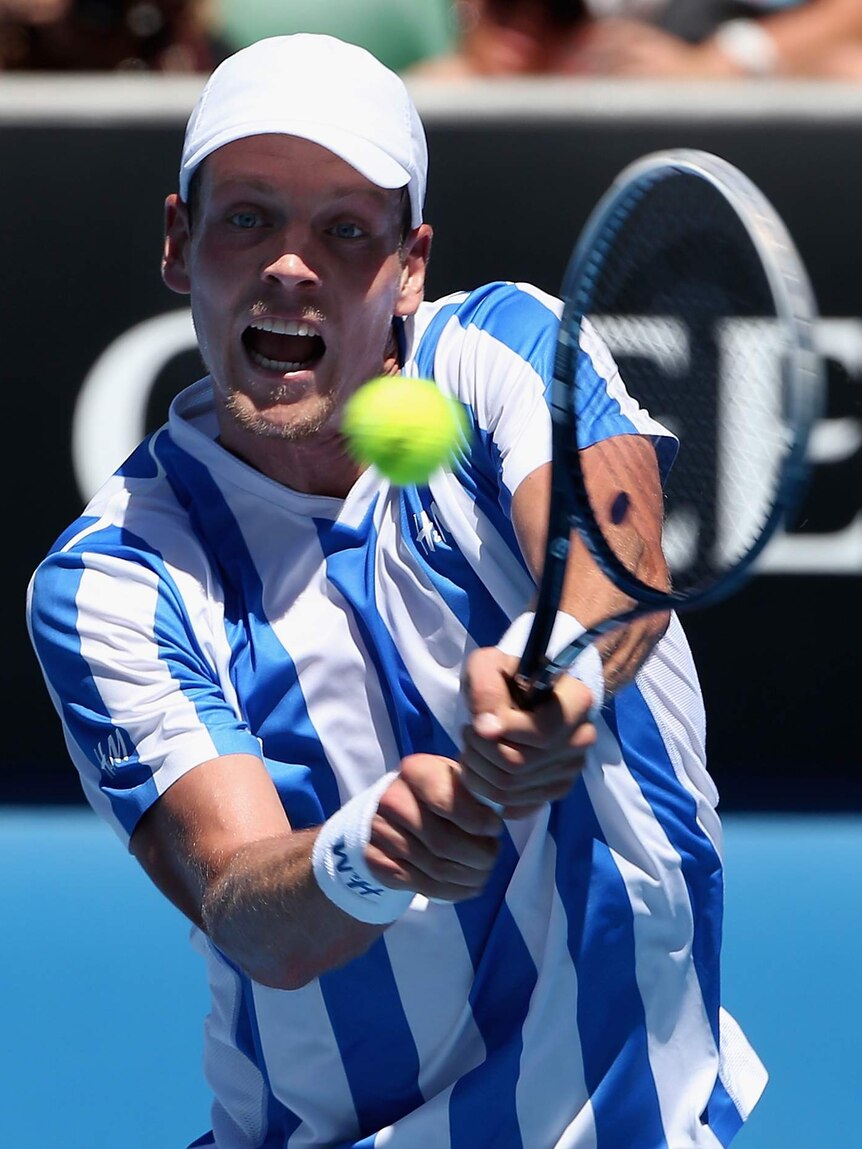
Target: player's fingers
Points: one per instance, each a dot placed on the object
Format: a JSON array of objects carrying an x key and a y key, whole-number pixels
[
  {"x": 400, "y": 874},
  {"x": 517, "y": 792},
  {"x": 529, "y": 793},
  {"x": 504, "y": 764},
  {"x": 428, "y": 784},
  {"x": 501, "y": 755},
  {"x": 440, "y": 851},
  {"x": 536, "y": 768},
  {"x": 430, "y": 855},
  {"x": 436, "y": 837},
  {"x": 569, "y": 707},
  {"x": 487, "y": 675},
  {"x": 584, "y": 737},
  {"x": 510, "y": 761},
  {"x": 550, "y": 725}
]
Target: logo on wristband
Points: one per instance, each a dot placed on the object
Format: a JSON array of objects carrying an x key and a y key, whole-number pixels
[{"x": 351, "y": 878}]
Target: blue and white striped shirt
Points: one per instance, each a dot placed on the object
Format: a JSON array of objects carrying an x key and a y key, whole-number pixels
[{"x": 197, "y": 608}]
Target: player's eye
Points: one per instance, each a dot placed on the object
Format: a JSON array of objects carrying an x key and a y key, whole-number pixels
[
  {"x": 244, "y": 219},
  {"x": 347, "y": 231}
]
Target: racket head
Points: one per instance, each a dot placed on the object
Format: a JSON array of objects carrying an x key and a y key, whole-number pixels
[
  {"x": 685, "y": 272},
  {"x": 689, "y": 276}
]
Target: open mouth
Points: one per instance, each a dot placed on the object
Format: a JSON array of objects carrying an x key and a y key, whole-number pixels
[{"x": 283, "y": 345}]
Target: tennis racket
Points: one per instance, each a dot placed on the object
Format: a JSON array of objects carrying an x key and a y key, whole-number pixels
[{"x": 688, "y": 275}]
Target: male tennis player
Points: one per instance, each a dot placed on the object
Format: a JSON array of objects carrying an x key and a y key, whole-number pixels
[{"x": 257, "y": 650}]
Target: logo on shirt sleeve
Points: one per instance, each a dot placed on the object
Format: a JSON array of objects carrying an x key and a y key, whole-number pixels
[{"x": 112, "y": 752}]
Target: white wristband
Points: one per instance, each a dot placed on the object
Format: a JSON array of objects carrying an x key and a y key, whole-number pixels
[
  {"x": 566, "y": 629},
  {"x": 748, "y": 44},
  {"x": 587, "y": 667},
  {"x": 339, "y": 866}
]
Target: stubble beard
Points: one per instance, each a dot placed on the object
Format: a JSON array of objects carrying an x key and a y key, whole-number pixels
[{"x": 294, "y": 430}]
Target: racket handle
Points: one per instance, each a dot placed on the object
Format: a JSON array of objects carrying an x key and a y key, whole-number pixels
[
  {"x": 529, "y": 692},
  {"x": 538, "y": 639}
]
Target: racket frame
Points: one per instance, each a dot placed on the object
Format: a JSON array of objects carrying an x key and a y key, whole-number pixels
[{"x": 570, "y": 509}]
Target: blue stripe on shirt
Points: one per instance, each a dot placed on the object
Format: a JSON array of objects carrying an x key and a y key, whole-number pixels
[
  {"x": 54, "y": 624},
  {"x": 482, "y": 478},
  {"x": 373, "y": 1036},
  {"x": 646, "y": 756},
  {"x": 141, "y": 464},
  {"x": 524, "y": 324},
  {"x": 351, "y": 554},
  {"x": 84, "y": 523},
  {"x": 516, "y": 319},
  {"x": 277, "y": 1121},
  {"x": 426, "y": 352},
  {"x": 721, "y": 1115},
  {"x": 483, "y": 1104},
  {"x": 451, "y": 575},
  {"x": 263, "y": 673},
  {"x": 123, "y": 778},
  {"x": 611, "y": 1021}
]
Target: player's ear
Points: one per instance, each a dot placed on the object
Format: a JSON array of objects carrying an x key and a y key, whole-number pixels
[
  {"x": 415, "y": 252},
  {"x": 177, "y": 242}
]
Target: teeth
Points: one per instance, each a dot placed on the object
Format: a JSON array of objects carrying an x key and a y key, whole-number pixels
[
  {"x": 274, "y": 364},
  {"x": 283, "y": 326}
]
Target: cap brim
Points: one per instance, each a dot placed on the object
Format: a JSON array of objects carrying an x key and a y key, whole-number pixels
[{"x": 361, "y": 154}]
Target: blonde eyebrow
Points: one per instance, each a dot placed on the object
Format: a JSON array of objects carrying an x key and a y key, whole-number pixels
[{"x": 255, "y": 184}]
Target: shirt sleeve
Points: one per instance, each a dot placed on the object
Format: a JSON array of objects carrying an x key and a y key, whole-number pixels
[
  {"x": 132, "y": 674},
  {"x": 495, "y": 348}
]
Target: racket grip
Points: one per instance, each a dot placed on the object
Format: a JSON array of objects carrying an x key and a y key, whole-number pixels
[
  {"x": 536, "y": 640},
  {"x": 527, "y": 693}
]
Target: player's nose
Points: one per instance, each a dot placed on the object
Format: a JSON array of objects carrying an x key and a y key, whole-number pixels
[{"x": 291, "y": 262}]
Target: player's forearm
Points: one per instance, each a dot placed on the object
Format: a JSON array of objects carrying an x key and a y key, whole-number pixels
[
  {"x": 622, "y": 473},
  {"x": 266, "y": 912},
  {"x": 625, "y": 648},
  {"x": 591, "y": 597}
]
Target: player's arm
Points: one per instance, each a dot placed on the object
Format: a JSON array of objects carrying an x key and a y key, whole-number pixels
[
  {"x": 520, "y": 759},
  {"x": 218, "y": 844},
  {"x": 217, "y": 840},
  {"x": 623, "y": 467}
]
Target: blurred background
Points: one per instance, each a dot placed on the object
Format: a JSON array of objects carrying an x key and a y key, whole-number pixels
[{"x": 531, "y": 109}]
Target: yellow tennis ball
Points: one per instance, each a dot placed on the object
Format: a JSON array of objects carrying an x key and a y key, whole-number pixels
[{"x": 406, "y": 427}]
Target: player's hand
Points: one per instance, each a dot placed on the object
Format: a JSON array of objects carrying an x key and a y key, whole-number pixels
[
  {"x": 520, "y": 759},
  {"x": 431, "y": 835}
]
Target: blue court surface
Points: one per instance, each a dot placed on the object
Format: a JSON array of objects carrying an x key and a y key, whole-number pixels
[{"x": 103, "y": 1000}]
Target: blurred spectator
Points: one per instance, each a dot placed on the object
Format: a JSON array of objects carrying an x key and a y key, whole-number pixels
[
  {"x": 684, "y": 39},
  {"x": 107, "y": 35},
  {"x": 509, "y": 38},
  {"x": 703, "y": 39}
]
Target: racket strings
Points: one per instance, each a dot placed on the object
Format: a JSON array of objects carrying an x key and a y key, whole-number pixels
[{"x": 684, "y": 305}]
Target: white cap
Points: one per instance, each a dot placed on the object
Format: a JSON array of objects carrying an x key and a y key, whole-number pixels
[{"x": 320, "y": 89}]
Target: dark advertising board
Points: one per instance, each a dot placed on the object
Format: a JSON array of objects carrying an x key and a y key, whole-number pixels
[{"x": 94, "y": 347}]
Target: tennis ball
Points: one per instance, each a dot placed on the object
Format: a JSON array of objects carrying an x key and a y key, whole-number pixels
[{"x": 406, "y": 427}]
